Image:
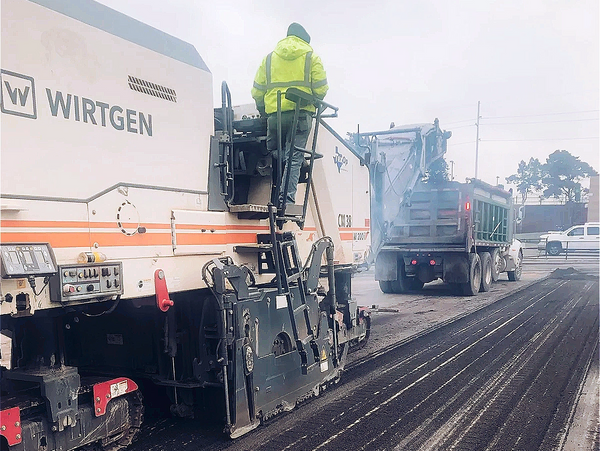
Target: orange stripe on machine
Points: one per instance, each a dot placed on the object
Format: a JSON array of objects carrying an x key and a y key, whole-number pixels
[
  {"x": 6, "y": 223},
  {"x": 56, "y": 239},
  {"x": 81, "y": 236},
  {"x": 9, "y": 223},
  {"x": 78, "y": 233}
]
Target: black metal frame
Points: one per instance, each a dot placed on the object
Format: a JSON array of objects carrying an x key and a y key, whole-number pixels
[
  {"x": 225, "y": 163},
  {"x": 300, "y": 98}
]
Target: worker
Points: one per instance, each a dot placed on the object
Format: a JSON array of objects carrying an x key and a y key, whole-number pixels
[{"x": 292, "y": 64}]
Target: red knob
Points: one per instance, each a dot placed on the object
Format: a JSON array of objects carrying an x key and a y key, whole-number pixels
[{"x": 165, "y": 304}]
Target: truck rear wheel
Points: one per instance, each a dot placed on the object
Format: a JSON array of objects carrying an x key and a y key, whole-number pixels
[
  {"x": 386, "y": 286},
  {"x": 415, "y": 284},
  {"x": 399, "y": 286},
  {"x": 402, "y": 283},
  {"x": 486, "y": 271},
  {"x": 471, "y": 288},
  {"x": 497, "y": 264},
  {"x": 456, "y": 288}
]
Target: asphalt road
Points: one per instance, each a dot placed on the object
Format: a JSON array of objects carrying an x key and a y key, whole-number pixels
[
  {"x": 495, "y": 379},
  {"x": 502, "y": 370}
]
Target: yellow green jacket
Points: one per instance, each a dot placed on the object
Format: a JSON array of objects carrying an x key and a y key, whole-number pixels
[{"x": 292, "y": 64}]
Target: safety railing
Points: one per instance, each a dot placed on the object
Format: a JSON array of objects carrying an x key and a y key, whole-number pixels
[
  {"x": 562, "y": 249},
  {"x": 282, "y": 185}
]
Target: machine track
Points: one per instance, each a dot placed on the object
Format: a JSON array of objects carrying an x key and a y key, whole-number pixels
[
  {"x": 127, "y": 437},
  {"x": 505, "y": 377}
]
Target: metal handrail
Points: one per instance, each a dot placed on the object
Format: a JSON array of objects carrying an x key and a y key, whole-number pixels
[
  {"x": 226, "y": 165},
  {"x": 298, "y": 97}
]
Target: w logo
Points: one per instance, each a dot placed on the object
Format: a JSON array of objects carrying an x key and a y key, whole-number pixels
[
  {"x": 339, "y": 159},
  {"x": 17, "y": 94}
]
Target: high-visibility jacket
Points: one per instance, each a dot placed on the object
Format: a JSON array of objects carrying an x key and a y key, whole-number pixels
[{"x": 292, "y": 64}]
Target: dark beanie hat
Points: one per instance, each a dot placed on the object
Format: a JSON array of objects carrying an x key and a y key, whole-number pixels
[{"x": 295, "y": 29}]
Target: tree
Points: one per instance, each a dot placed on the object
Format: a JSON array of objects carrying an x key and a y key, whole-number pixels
[
  {"x": 562, "y": 173},
  {"x": 437, "y": 172},
  {"x": 528, "y": 178}
]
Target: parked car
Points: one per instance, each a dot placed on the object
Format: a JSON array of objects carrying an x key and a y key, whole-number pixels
[{"x": 579, "y": 238}]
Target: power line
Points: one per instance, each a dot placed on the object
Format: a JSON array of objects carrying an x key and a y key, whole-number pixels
[
  {"x": 519, "y": 123},
  {"x": 543, "y": 139},
  {"x": 538, "y": 115},
  {"x": 541, "y": 122}
]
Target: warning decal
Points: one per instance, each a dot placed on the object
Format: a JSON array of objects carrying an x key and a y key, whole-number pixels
[{"x": 323, "y": 354}]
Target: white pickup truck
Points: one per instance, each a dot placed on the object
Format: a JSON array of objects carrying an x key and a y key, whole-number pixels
[{"x": 579, "y": 238}]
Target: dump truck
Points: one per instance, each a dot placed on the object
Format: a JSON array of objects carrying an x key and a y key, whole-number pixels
[
  {"x": 143, "y": 253},
  {"x": 461, "y": 233}
]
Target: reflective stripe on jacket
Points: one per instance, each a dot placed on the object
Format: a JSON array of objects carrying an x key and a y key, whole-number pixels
[{"x": 292, "y": 64}]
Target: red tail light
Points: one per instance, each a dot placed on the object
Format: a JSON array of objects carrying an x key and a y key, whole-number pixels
[
  {"x": 468, "y": 206},
  {"x": 432, "y": 262},
  {"x": 414, "y": 262}
]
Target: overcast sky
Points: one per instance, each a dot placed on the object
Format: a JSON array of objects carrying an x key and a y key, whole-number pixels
[{"x": 533, "y": 64}]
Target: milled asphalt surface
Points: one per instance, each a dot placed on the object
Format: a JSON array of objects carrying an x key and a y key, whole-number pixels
[
  {"x": 395, "y": 318},
  {"x": 498, "y": 379}
]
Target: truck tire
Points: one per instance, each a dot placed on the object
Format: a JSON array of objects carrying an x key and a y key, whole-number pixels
[
  {"x": 415, "y": 284},
  {"x": 455, "y": 288},
  {"x": 486, "y": 271},
  {"x": 515, "y": 275},
  {"x": 386, "y": 286},
  {"x": 554, "y": 248},
  {"x": 471, "y": 288},
  {"x": 401, "y": 284},
  {"x": 497, "y": 264}
]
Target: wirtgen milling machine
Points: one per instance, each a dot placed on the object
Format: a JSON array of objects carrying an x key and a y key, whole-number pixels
[{"x": 142, "y": 245}]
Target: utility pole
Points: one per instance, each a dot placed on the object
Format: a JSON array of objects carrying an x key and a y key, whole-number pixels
[{"x": 477, "y": 140}]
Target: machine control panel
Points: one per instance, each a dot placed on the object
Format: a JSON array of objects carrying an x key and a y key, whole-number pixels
[
  {"x": 80, "y": 282},
  {"x": 25, "y": 260}
]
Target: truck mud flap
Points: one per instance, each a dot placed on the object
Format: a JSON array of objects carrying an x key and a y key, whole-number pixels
[
  {"x": 456, "y": 269},
  {"x": 386, "y": 266}
]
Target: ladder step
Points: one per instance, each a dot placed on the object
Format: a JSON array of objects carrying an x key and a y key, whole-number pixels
[
  {"x": 253, "y": 248},
  {"x": 248, "y": 207},
  {"x": 293, "y": 210},
  {"x": 289, "y": 218},
  {"x": 250, "y": 211}
]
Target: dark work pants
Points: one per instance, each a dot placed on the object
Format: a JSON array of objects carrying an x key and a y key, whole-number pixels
[{"x": 302, "y": 131}]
